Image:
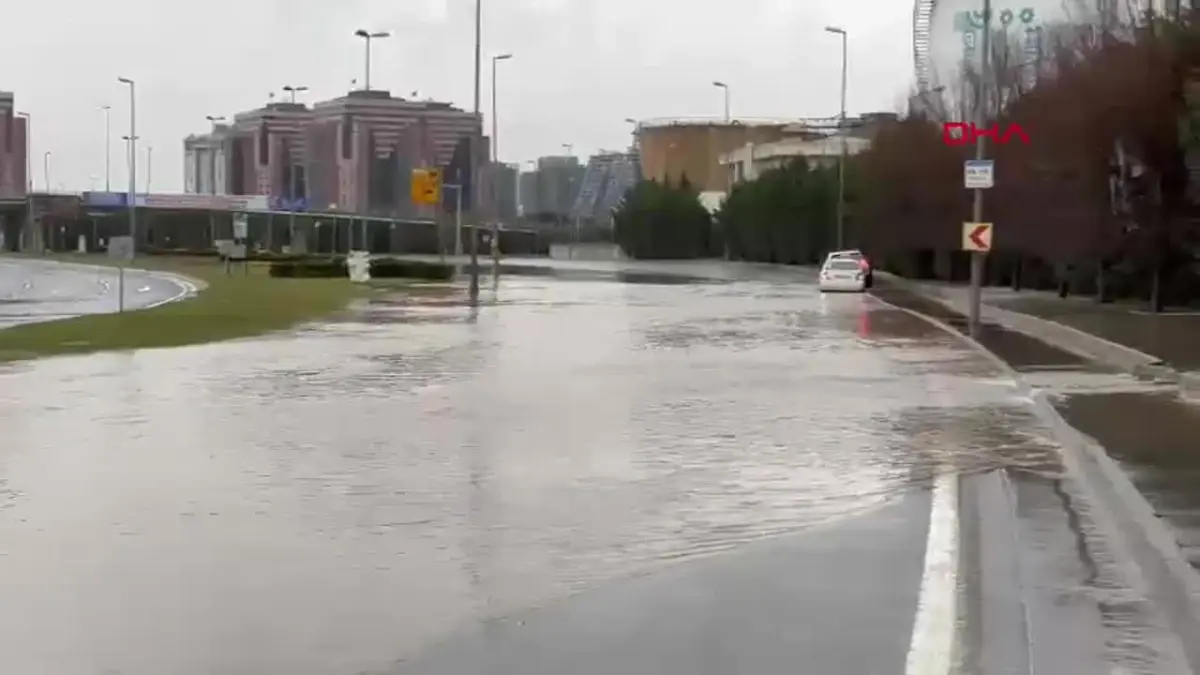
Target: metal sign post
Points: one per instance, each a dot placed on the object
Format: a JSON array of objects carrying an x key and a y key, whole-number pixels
[{"x": 978, "y": 257}]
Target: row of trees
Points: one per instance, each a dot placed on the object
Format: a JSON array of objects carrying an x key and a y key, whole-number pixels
[
  {"x": 1101, "y": 189},
  {"x": 785, "y": 216},
  {"x": 1099, "y": 194}
]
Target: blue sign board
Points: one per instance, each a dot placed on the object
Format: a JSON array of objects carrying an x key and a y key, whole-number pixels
[
  {"x": 286, "y": 204},
  {"x": 105, "y": 199}
]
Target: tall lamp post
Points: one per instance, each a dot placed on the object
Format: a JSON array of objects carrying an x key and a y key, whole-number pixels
[
  {"x": 725, "y": 87},
  {"x": 46, "y": 169},
  {"x": 841, "y": 205},
  {"x": 292, "y": 91},
  {"x": 107, "y": 147},
  {"x": 473, "y": 290},
  {"x": 495, "y": 172},
  {"x": 495, "y": 60},
  {"x": 132, "y": 164},
  {"x": 367, "y": 36}
]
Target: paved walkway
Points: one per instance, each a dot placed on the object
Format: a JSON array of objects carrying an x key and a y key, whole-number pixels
[
  {"x": 1172, "y": 337},
  {"x": 1150, "y": 432}
]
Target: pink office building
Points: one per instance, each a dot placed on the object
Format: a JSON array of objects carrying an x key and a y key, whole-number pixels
[
  {"x": 354, "y": 153},
  {"x": 13, "y": 162}
]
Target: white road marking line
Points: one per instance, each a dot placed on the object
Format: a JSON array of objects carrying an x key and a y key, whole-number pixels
[{"x": 931, "y": 651}]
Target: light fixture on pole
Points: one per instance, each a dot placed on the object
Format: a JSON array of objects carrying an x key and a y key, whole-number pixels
[
  {"x": 107, "y": 147},
  {"x": 292, "y": 91},
  {"x": 133, "y": 233},
  {"x": 367, "y": 36},
  {"x": 725, "y": 87},
  {"x": 841, "y": 204}
]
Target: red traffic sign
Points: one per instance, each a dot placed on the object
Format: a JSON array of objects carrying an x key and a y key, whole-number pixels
[{"x": 977, "y": 237}]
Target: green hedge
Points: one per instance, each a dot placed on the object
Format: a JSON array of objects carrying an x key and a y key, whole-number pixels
[
  {"x": 327, "y": 268},
  {"x": 391, "y": 268}
]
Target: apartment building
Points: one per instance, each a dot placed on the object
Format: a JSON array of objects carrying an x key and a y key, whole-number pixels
[
  {"x": 354, "y": 153},
  {"x": 13, "y": 147}
]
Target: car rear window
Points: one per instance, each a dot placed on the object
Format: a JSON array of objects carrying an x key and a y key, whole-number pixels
[{"x": 843, "y": 265}]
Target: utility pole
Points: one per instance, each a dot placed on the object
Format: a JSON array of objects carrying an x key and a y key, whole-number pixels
[
  {"x": 981, "y": 101},
  {"x": 473, "y": 290}
]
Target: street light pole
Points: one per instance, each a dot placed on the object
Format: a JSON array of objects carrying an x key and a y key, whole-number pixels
[
  {"x": 725, "y": 87},
  {"x": 133, "y": 233},
  {"x": 495, "y": 133},
  {"x": 46, "y": 169},
  {"x": 367, "y": 36},
  {"x": 495, "y": 173},
  {"x": 474, "y": 158},
  {"x": 981, "y": 102},
  {"x": 841, "y": 132},
  {"x": 107, "y": 147}
]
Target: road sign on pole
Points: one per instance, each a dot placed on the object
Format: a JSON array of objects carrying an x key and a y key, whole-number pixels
[
  {"x": 427, "y": 186},
  {"x": 979, "y": 174},
  {"x": 977, "y": 237}
]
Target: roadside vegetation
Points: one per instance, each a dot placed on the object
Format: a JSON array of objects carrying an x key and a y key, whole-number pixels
[
  {"x": 246, "y": 301},
  {"x": 1103, "y": 200},
  {"x": 787, "y": 215}
]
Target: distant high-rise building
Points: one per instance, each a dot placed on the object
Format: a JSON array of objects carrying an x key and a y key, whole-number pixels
[
  {"x": 528, "y": 193},
  {"x": 13, "y": 162},
  {"x": 205, "y": 162},
  {"x": 355, "y": 153},
  {"x": 553, "y": 188},
  {"x": 501, "y": 180},
  {"x": 607, "y": 177}
]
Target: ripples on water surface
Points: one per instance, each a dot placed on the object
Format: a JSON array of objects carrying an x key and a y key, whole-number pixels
[{"x": 331, "y": 500}]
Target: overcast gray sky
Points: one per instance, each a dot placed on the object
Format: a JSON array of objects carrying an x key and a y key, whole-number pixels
[{"x": 580, "y": 66}]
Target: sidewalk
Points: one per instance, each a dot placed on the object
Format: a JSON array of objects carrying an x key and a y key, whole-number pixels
[{"x": 1152, "y": 434}]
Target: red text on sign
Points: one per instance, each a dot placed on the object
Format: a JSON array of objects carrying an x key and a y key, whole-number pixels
[{"x": 966, "y": 133}]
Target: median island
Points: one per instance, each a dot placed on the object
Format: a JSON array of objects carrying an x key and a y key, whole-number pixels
[{"x": 247, "y": 300}]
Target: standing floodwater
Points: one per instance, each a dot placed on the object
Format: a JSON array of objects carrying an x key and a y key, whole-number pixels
[{"x": 336, "y": 499}]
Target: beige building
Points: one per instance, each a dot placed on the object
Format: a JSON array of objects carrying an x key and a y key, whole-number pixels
[{"x": 751, "y": 160}]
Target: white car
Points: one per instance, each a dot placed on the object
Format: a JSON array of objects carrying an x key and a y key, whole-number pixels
[
  {"x": 856, "y": 255},
  {"x": 842, "y": 274}
]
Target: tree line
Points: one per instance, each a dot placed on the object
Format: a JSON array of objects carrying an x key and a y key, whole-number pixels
[
  {"x": 786, "y": 215},
  {"x": 1102, "y": 199}
]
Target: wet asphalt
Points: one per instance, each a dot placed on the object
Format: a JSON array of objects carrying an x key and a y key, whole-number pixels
[
  {"x": 583, "y": 475},
  {"x": 36, "y": 290}
]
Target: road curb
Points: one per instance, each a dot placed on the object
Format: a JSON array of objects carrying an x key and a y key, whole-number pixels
[
  {"x": 188, "y": 286},
  {"x": 1068, "y": 338},
  {"x": 1156, "y": 565}
]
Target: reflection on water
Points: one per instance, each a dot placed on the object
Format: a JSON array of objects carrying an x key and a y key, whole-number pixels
[{"x": 330, "y": 500}]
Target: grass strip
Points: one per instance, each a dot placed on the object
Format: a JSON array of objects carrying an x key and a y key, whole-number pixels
[{"x": 243, "y": 303}]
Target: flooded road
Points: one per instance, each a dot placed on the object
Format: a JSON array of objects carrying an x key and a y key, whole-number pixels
[
  {"x": 358, "y": 497},
  {"x": 39, "y": 290}
]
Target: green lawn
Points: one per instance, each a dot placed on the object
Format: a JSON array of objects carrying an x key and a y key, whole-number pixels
[{"x": 244, "y": 303}]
